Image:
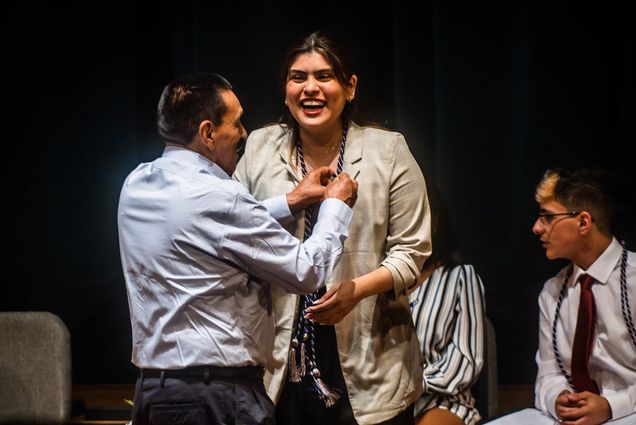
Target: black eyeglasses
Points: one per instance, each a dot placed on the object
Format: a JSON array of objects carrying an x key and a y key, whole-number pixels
[{"x": 547, "y": 218}]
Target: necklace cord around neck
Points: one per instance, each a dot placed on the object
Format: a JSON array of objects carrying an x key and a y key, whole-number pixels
[
  {"x": 629, "y": 322},
  {"x": 302, "y": 353}
]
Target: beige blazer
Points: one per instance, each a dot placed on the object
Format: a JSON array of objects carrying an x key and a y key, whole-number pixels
[{"x": 377, "y": 345}]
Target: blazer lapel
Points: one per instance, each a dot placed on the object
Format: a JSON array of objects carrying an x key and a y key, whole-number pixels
[
  {"x": 283, "y": 149},
  {"x": 353, "y": 151}
]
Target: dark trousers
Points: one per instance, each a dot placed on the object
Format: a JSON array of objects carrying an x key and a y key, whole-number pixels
[
  {"x": 298, "y": 406},
  {"x": 195, "y": 397}
]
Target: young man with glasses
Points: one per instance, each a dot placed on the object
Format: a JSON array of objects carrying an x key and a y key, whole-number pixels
[{"x": 587, "y": 338}]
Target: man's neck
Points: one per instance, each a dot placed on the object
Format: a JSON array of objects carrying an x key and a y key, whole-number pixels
[
  {"x": 593, "y": 248},
  {"x": 196, "y": 145}
]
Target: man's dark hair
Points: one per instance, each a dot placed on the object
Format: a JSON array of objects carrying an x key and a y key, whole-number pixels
[
  {"x": 590, "y": 189},
  {"x": 186, "y": 102}
]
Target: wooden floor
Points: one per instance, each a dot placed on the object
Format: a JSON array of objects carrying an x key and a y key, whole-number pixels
[
  {"x": 95, "y": 397},
  {"x": 92, "y": 404}
]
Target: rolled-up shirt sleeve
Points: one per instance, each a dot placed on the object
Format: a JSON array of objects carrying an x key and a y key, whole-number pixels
[{"x": 459, "y": 364}]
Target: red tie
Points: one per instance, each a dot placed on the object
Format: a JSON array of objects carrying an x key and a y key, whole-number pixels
[{"x": 584, "y": 337}]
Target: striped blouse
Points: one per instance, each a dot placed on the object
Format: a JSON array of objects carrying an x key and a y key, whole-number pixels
[{"x": 448, "y": 312}]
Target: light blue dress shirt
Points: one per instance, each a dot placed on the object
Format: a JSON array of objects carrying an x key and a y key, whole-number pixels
[{"x": 196, "y": 249}]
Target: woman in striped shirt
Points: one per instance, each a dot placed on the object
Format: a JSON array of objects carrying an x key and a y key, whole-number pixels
[{"x": 448, "y": 311}]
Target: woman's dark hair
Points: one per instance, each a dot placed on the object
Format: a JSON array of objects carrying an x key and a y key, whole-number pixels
[
  {"x": 334, "y": 54},
  {"x": 443, "y": 236},
  {"x": 186, "y": 102}
]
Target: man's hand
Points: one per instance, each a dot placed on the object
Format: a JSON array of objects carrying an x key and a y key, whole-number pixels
[
  {"x": 584, "y": 408},
  {"x": 344, "y": 188},
  {"x": 337, "y": 302},
  {"x": 310, "y": 190}
]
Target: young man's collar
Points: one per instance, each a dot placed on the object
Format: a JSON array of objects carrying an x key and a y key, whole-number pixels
[{"x": 601, "y": 269}]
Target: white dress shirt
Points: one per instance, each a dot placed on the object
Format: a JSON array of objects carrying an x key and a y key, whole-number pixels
[
  {"x": 196, "y": 249},
  {"x": 612, "y": 363}
]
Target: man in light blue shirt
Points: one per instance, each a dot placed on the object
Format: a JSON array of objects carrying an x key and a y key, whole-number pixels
[{"x": 196, "y": 251}]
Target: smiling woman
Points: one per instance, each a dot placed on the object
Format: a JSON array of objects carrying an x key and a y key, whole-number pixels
[
  {"x": 316, "y": 99},
  {"x": 361, "y": 366}
]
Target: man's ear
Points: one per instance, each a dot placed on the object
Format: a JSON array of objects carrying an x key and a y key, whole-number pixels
[
  {"x": 206, "y": 133},
  {"x": 585, "y": 222}
]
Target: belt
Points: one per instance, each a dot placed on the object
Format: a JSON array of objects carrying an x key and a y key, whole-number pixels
[{"x": 206, "y": 372}]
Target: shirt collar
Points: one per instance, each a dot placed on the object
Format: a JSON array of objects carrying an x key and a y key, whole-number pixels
[
  {"x": 601, "y": 269},
  {"x": 185, "y": 155}
]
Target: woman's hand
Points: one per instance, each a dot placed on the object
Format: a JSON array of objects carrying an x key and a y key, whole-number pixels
[
  {"x": 335, "y": 304},
  {"x": 342, "y": 297}
]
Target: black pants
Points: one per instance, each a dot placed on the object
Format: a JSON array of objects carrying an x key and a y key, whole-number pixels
[
  {"x": 297, "y": 406},
  {"x": 201, "y": 399}
]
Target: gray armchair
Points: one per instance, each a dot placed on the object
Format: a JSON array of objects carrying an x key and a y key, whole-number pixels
[{"x": 35, "y": 369}]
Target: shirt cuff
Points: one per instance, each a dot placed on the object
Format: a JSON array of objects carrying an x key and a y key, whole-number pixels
[
  {"x": 620, "y": 404},
  {"x": 551, "y": 400},
  {"x": 336, "y": 207},
  {"x": 278, "y": 208},
  {"x": 424, "y": 383}
]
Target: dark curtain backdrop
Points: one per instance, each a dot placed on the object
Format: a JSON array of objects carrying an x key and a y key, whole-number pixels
[{"x": 488, "y": 97}]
